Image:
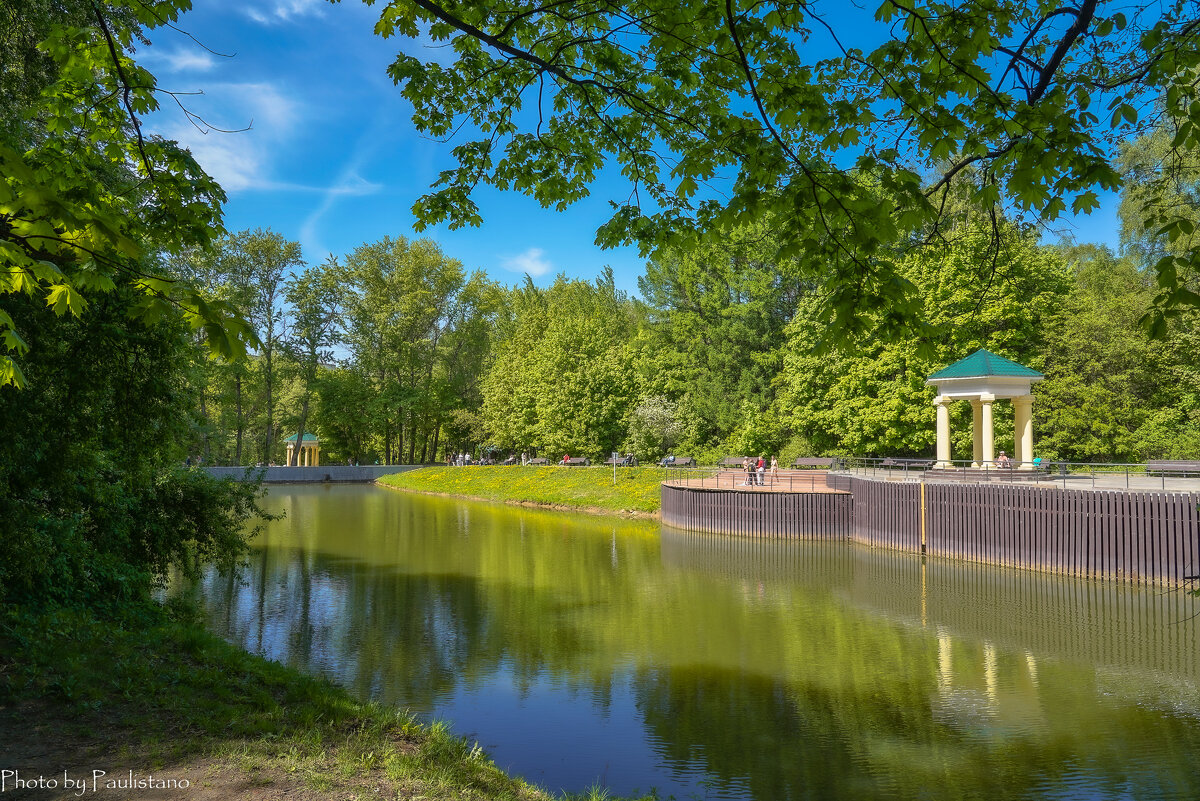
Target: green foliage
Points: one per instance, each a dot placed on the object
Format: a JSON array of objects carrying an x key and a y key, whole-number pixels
[
  {"x": 561, "y": 381},
  {"x": 722, "y": 115},
  {"x": 655, "y": 428},
  {"x": 871, "y": 398},
  {"x": 342, "y": 395},
  {"x": 1160, "y": 207},
  {"x": 419, "y": 326},
  {"x": 718, "y": 313},
  {"x": 94, "y": 501},
  {"x": 1111, "y": 394},
  {"x": 85, "y": 197},
  {"x": 159, "y": 683}
]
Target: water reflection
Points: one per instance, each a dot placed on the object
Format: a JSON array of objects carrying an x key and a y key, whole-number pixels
[{"x": 582, "y": 649}]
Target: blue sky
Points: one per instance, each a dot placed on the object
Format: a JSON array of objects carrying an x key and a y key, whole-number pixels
[{"x": 331, "y": 159}]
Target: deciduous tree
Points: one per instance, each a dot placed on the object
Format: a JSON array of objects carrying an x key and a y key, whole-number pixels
[{"x": 722, "y": 114}]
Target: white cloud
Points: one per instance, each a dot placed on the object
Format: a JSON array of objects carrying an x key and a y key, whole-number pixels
[
  {"x": 239, "y": 160},
  {"x": 179, "y": 60},
  {"x": 284, "y": 11},
  {"x": 531, "y": 262}
]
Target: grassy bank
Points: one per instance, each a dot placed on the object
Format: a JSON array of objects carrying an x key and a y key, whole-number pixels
[
  {"x": 592, "y": 488},
  {"x": 159, "y": 696}
]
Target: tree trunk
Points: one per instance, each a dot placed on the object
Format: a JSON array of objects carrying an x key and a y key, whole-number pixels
[
  {"x": 399, "y": 435},
  {"x": 437, "y": 430},
  {"x": 270, "y": 407},
  {"x": 412, "y": 441},
  {"x": 207, "y": 427},
  {"x": 294, "y": 458},
  {"x": 237, "y": 393}
]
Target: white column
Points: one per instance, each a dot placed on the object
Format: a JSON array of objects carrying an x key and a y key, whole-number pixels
[
  {"x": 289, "y": 454},
  {"x": 943, "y": 431},
  {"x": 976, "y": 433},
  {"x": 989, "y": 434},
  {"x": 1023, "y": 430}
]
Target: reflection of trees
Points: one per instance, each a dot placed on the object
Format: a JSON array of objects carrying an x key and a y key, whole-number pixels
[{"x": 799, "y": 670}]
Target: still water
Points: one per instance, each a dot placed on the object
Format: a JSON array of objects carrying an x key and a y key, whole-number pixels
[{"x": 584, "y": 650}]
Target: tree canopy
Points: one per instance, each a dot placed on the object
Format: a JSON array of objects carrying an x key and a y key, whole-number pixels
[
  {"x": 720, "y": 114},
  {"x": 88, "y": 199}
]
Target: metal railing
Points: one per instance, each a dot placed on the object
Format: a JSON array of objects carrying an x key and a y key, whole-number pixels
[
  {"x": 782, "y": 480},
  {"x": 1038, "y": 471}
]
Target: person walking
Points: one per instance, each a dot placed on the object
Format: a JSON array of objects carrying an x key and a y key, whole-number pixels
[
  {"x": 761, "y": 469},
  {"x": 747, "y": 470},
  {"x": 774, "y": 469}
]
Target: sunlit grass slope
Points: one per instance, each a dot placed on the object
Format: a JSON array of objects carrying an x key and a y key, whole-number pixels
[
  {"x": 159, "y": 695},
  {"x": 636, "y": 488}
]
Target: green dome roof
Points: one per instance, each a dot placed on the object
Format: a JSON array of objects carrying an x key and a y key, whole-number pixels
[
  {"x": 985, "y": 363},
  {"x": 307, "y": 438}
]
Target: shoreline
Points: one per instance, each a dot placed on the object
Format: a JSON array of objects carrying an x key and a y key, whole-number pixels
[
  {"x": 153, "y": 697},
  {"x": 631, "y": 493},
  {"x": 528, "y": 504}
]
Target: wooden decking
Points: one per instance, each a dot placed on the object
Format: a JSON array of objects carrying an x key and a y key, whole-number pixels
[{"x": 785, "y": 481}]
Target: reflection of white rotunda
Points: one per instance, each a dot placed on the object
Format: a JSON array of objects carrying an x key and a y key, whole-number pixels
[
  {"x": 980, "y": 695},
  {"x": 983, "y": 378}
]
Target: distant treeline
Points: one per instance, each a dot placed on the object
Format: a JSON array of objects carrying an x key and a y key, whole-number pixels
[{"x": 397, "y": 354}]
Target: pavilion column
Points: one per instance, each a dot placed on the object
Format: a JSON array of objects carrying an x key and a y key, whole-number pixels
[
  {"x": 988, "y": 438},
  {"x": 943, "y": 431},
  {"x": 976, "y": 433},
  {"x": 316, "y": 455},
  {"x": 1023, "y": 430},
  {"x": 291, "y": 448}
]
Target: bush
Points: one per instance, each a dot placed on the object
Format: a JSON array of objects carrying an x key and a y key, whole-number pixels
[{"x": 94, "y": 503}]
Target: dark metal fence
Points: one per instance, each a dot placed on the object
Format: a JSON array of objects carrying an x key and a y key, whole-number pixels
[
  {"x": 1143, "y": 537},
  {"x": 887, "y": 514},
  {"x": 1140, "y": 537},
  {"x": 816, "y": 515}
]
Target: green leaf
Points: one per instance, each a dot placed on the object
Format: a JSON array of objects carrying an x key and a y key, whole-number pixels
[{"x": 63, "y": 298}]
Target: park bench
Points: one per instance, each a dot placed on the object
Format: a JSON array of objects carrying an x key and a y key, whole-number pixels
[
  {"x": 908, "y": 464},
  {"x": 576, "y": 461},
  {"x": 680, "y": 461},
  {"x": 813, "y": 462},
  {"x": 538, "y": 461},
  {"x": 628, "y": 460},
  {"x": 1164, "y": 467}
]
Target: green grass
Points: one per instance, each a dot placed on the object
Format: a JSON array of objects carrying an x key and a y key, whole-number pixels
[
  {"x": 161, "y": 693},
  {"x": 636, "y": 488}
]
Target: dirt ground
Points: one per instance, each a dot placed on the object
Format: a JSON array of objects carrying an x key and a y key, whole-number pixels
[{"x": 40, "y": 745}]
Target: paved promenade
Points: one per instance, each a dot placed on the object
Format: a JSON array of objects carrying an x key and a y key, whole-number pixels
[
  {"x": 820, "y": 480},
  {"x": 786, "y": 481}
]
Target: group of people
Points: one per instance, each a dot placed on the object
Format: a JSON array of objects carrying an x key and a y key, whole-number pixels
[{"x": 756, "y": 470}]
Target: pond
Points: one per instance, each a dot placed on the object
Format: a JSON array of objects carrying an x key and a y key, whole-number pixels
[{"x": 583, "y": 651}]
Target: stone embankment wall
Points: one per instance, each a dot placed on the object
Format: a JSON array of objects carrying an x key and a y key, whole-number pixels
[{"x": 363, "y": 474}]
